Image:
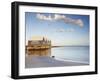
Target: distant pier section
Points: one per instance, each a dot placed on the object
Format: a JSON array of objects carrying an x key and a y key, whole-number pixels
[{"x": 38, "y": 44}]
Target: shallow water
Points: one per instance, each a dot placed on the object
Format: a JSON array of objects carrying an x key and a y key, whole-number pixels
[
  {"x": 69, "y": 53},
  {"x": 72, "y": 53}
]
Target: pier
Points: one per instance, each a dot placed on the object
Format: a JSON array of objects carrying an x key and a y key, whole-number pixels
[{"x": 38, "y": 44}]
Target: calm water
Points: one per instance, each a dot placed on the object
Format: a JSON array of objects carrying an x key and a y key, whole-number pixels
[
  {"x": 75, "y": 53},
  {"x": 71, "y": 53}
]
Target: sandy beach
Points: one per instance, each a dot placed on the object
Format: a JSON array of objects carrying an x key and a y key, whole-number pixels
[{"x": 46, "y": 61}]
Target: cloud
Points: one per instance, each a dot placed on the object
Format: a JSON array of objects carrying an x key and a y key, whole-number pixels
[
  {"x": 78, "y": 22},
  {"x": 63, "y": 18},
  {"x": 43, "y": 17},
  {"x": 67, "y": 30}
]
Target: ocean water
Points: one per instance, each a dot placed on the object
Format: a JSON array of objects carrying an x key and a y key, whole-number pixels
[
  {"x": 79, "y": 54},
  {"x": 71, "y": 53}
]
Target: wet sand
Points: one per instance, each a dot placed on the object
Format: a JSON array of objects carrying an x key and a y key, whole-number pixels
[{"x": 45, "y": 61}]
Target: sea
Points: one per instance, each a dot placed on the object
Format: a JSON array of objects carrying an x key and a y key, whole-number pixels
[
  {"x": 71, "y": 53},
  {"x": 78, "y": 54}
]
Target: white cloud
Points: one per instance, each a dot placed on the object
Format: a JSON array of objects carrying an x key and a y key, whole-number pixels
[
  {"x": 43, "y": 17},
  {"x": 65, "y": 30},
  {"x": 64, "y": 18},
  {"x": 80, "y": 22},
  {"x": 59, "y": 17}
]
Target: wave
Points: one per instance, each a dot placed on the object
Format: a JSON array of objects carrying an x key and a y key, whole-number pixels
[{"x": 61, "y": 59}]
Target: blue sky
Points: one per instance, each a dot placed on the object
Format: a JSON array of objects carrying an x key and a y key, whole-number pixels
[{"x": 61, "y": 29}]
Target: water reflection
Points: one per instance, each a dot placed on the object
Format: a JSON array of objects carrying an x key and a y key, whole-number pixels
[{"x": 41, "y": 52}]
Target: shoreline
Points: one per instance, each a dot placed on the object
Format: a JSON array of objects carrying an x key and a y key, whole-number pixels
[
  {"x": 69, "y": 46},
  {"x": 70, "y": 61},
  {"x": 45, "y": 61},
  {"x": 45, "y": 48}
]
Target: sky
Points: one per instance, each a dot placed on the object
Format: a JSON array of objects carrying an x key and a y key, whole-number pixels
[{"x": 61, "y": 29}]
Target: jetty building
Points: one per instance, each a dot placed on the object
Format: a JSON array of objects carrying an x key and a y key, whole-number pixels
[{"x": 38, "y": 44}]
